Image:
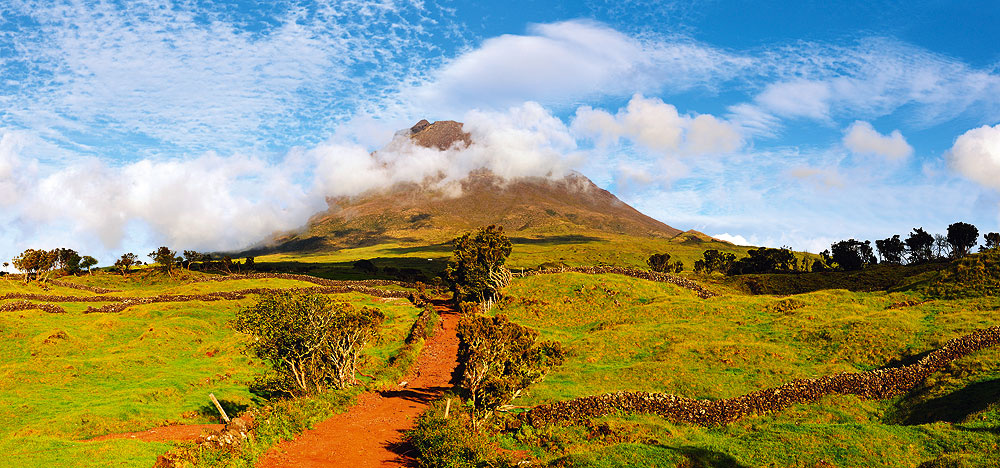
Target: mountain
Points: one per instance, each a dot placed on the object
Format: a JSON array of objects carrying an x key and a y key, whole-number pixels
[{"x": 529, "y": 208}]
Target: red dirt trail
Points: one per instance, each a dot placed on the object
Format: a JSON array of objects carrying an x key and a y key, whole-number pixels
[{"x": 370, "y": 433}]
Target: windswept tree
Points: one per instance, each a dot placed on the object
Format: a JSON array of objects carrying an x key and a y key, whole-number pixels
[
  {"x": 962, "y": 237},
  {"x": 918, "y": 246},
  {"x": 498, "y": 359},
  {"x": 35, "y": 263},
  {"x": 992, "y": 241},
  {"x": 164, "y": 257},
  {"x": 311, "y": 342},
  {"x": 942, "y": 249},
  {"x": 476, "y": 272},
  {"x": 192, "y": 256},
  {"x": 126, "y": 262},
  {"x": 88, "y": 262},
  {"x": 891, "y": 249},
  {"x": 67, "y": 260},
  {"x": 852, "y": 254}
]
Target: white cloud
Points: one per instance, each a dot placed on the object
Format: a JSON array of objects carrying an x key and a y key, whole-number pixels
[
  {"x": 862, "y": 138},
  {"x": 976, "y": 155},
  {"x": 658, "y": 127},
  {"x": 799, "y": 98},
  {"x": 732, "y": 238},
  {"x": 561, "y": 63}
]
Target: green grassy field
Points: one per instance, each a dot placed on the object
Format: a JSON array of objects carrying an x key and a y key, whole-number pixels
[
  {"x": 627, "y": 334},
  {"x": 65, "y": 378}
]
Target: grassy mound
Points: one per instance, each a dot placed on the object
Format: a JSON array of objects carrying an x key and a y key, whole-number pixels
[{"x": 975, "y": 275}]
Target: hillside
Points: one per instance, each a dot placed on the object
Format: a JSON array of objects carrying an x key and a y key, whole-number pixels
[{"x": 529, "y": 208}]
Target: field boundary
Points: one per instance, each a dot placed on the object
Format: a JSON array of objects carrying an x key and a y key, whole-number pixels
[
  {"x": 698, "y": 289},
  {"x": 875, "y": 384}
]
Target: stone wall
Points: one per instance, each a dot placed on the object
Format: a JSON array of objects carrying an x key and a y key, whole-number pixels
[{"x": 876, "y": 384}]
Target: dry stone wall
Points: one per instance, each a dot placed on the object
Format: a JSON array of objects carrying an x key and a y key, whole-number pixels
[
  {"x": 876, "y": 384},
  {"x": 633, "y": 272},
  {"x": 25, "y": 305}
]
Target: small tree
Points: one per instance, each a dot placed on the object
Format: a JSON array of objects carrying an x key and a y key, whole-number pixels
[
  {"x": 310, "y": 342},
  {"x": 659, "y": 262},
  {"x": 164, "y": 257},
  {"x": 852, "y": 254},
  {"x": 498, "y": 359},
  {"x": 714, "y": 260},
  {"x": 962, "y": 237},
  {"x": 126, "y": 262},
  {"x": 992, "y": 241},
  {"x": 35, "y": 263},
  {"x": 88, "y": 262},
  {"x": 891, "y": 249},
  {"x": 192, "y": 256},
  {"x": 918, "y": 246},
  {"x": 476, "y": 272}
]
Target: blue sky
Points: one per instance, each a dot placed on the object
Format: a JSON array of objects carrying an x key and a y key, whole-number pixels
[{"x": 209, "y": 125}]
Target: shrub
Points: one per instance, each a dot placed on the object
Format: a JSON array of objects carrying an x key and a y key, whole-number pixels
[
  {"x": 498, "y": 359},
  {"x": 309, "y": 341},
  {"x": 448, "y": 443},
  {"x": 476, "y": 271}
]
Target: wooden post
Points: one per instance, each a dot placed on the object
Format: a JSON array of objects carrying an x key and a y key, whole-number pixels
[
  {"x": 219, "y": 407},
  {"x": 447, "y": 408}
]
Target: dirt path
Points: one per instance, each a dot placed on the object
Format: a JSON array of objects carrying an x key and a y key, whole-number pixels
[{"x": 369, "y": 434}]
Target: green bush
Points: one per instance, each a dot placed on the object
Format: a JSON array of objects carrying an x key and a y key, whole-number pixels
[{"x": 449, "y": 443}]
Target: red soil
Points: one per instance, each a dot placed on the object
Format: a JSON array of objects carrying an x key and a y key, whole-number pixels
[
  {"x": 164, "y": 434},
  {"x": 370, "y": 433}
]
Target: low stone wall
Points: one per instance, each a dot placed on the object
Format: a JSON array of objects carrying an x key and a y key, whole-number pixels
[
  {"x": 121, "y": 304},
  {"x": 83, "y": 287},
  {"x": 25, "y": 305},
  {"x": 633, "y": 272},
  {"x": 308, "y": 279},
  {"x": 876, "y": 384}
]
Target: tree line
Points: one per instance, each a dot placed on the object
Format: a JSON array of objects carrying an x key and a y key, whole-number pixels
[
  {"x": 41, "y": 264},
  {"x": 847, "y": 255}
]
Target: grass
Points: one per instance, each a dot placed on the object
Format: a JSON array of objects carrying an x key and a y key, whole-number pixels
[
  {"x": 65, "y": 378},
  {"x": 627, "y": 334}
]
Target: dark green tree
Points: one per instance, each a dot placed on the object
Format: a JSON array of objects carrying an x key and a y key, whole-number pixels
[
  {"x": 714, "y": 260},
  {"x": 88, "y": 262},
  {"x": 992, "y": 241},
  {"x": 311, "y": 342},
  {"x": 962, "y": 237},
  {"x": 891, "y": 249},
  {"x": 476, "y": 272},
  {"x": 852, "y": 254},
  {"x": 765, "y": 260},
  {"x": 918, "y": 246},
  {"x": 659, "y": 262}
]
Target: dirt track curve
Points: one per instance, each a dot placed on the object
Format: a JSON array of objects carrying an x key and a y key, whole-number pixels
[{"x": 370, "y": 433}]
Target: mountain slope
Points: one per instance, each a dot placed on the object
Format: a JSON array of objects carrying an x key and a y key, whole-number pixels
[{"x": 530, "y": 207}]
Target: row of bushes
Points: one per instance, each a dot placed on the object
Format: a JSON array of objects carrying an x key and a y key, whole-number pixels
[
  {"x": 876, "y": 384},
  {"x": 698, "y": 289}
]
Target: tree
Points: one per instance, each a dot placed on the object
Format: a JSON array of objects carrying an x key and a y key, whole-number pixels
[
  {"x": 311, "y": 342},
  {"x": 476, "y": 272},
  {"x": 765, "y": 260},
  {"x": 891, "y": 249},
  {"x": 165, "y": 257},
  {"x": 918, "y": 246},
  {"x": 192, "y": 256},
  {"x": 366, "y": 266},
  {"x": 498, "y": 359},
  {"x": 67, "y": 260},
  {"x": 659, "y": 262},
  {"x": 852, "y": 254},
  {"x": 713, "y": 260},
  {"x": 962, "y": 237},
  {"x": 35, "y": 263},
  {"x": 88, "y": 262},
  {"x": 992, "y": 241},
  {"x": 126, "y": 262}
]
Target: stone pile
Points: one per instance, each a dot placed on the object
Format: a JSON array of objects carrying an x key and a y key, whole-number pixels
[
  {"x": 648, "y": 275},
  {"x": 25, "y": 305},
  {"x": 876, "y": 384}
]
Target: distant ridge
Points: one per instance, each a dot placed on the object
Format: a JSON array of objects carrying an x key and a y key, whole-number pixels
[{"x": 527, "y": 207}]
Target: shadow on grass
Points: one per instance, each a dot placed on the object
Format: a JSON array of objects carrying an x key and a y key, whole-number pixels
[
  {"x": 954, "y": 407},
  {"x": 557, "y": 240},
  {"x": 697, "y": 457},
  {"x": 232, "y": 408}
]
